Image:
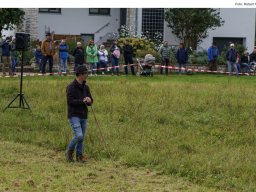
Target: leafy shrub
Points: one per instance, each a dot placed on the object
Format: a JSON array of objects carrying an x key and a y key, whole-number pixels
[
  {"x": 240, "y": 48},
  {"x": 141, "y": 46},
  {"x": 221, "y": 60},
  {"x": 198, "y": 58}
]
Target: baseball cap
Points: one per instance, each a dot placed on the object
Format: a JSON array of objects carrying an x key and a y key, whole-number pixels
[
  {"x": 48, "y": 34},
  {"x": 232, "y": 45}
]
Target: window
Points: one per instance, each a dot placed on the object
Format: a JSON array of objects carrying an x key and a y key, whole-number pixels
[
  {"x": 49, "y": 10},
  {"x": 152, "y": 21},
  {"x": 99, "y": 11}
]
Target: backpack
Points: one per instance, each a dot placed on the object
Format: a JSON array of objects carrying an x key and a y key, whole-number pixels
[{"x": 116, "y": 53}]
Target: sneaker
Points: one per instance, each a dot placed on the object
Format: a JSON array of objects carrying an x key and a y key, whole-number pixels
[{"x": 247, "y": 74}]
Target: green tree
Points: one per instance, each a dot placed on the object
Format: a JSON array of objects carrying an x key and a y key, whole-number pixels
[
  {"x": 10, "y": 18},
  {"x": 191, "y": 25}
]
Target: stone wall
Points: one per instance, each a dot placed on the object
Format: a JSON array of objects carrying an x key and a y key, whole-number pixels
[{"x": 30, "y": 24}]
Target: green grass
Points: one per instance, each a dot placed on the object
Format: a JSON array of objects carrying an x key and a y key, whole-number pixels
[
  {"x": 25, "y": 167},
  {"x": 198, "y": 127}
]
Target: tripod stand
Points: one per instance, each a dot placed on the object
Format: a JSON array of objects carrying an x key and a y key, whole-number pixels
[{"x": 20, "y": 95}]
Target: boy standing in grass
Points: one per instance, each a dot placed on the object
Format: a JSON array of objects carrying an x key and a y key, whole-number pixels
[{"x": 78, "y": 98}]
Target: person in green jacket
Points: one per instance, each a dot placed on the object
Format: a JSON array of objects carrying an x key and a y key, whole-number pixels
[{"x": 92, "y": 57}]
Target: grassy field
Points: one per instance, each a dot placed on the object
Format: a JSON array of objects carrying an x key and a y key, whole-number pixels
[
  {"x": 200, "y": 128},
  {"x": 36, "y": 169}
]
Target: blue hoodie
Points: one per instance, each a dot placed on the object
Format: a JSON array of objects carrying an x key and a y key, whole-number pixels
[
  {"x": 63, "y": 51},
  {"x": 213, "y": 53}
]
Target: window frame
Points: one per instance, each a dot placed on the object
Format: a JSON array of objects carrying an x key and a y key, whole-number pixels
[
  {"x": 100, "y": 11},
  {"x": 49, "y": 10}
]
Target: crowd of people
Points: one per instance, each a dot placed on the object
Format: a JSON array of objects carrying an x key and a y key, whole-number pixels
[
  {"x": 98, "y": 59},
  {"x": 9, "y": 55},
  {"x": 235, "y": 60}
]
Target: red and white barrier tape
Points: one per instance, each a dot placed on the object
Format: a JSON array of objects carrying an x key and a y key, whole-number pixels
[{"x": 109, "y": 68}]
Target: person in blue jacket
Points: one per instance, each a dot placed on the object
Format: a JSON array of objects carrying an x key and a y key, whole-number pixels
[
  {"x": 182, "y": 57},
  {"x": 38, "y": 56},
  {"x": 213, "y": 53},
  {"x": 231, "y": 57},
  {"x": 63, "y": 54}
]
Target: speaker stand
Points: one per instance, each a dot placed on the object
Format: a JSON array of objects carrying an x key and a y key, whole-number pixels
[{"x": 20, "y": 95}]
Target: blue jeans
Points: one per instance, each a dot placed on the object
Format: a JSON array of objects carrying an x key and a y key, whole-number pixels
[
  {"x": 115, "y": 64},
  {"x": 103, "y": 64},
  {"x": 93, "y": 67},
  {"x": 38, "y": 62},
  {"x": 13, "y": 67},
  {"x": 63, "y": 65},
  {"x": 79, "y": 127},
  {"x": 246, "y": 65},
  {"x": 182, "y": 65},
  {"x": 230, "y": 66},
  {"x": 239, "y": 69}
]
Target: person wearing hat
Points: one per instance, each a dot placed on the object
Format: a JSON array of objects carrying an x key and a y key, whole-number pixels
[
  {"x": 78, "y": 53},
  {"x": 78, "y": 98},
  {"x": 6, "y": 54},
  {"x": 231, "y": 57},
  {"x": 48, "y": 50}
]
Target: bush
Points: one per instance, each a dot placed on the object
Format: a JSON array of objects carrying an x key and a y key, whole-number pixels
[
  {"x": 221, "y": 60},
  {"x": 198, "y": 58},
  {"x": 141, "y": 46},
  {"x": 240, "y": 48},
  {"x": 28, "y": 55}
]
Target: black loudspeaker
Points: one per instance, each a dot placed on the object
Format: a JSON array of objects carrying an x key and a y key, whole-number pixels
[{"x": 22, "y": 41}]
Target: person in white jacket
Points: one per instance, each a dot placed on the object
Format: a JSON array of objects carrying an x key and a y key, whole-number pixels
[{"x": 103, "y": 58}]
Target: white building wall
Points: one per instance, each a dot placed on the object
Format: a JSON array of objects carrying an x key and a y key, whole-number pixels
[
  {"x": 239, "y": 23},
  {"x": 168, "y": 36},
  {"x": 75, "y": 21}
]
